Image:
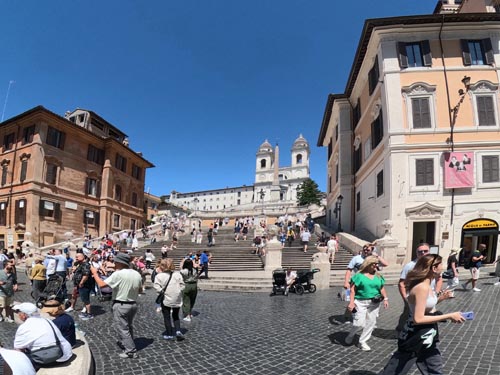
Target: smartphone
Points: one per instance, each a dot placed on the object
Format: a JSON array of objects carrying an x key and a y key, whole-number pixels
[
  {"x": 468, "y": 315},
  {"x": 354, "y": 311}
]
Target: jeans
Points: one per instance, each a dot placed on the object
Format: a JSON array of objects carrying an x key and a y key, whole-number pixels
[
  {"x": 166, "y": 310},
  {"x": 429, "y": 362}
]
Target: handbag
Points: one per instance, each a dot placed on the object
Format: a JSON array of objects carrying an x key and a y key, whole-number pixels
[
  {"x": 48, "y": 354},
  {"x": 448, "y": 274},
  {"x": 161, "y": 295},
  {"x": 422, "y": 337}
]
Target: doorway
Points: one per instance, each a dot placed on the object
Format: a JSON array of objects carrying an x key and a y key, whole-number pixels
[
  {"x": 423, "y": 231},
  {"x": 480, "y": 231}
]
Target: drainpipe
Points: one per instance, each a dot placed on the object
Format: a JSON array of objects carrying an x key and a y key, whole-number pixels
[{"x": 452, "y": 125}]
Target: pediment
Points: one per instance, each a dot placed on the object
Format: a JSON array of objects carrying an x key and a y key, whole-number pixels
[{"x": 425, "y": 209}]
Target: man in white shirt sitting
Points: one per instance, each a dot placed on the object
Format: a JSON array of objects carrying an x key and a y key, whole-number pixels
[{"x": 36, "y": 332}]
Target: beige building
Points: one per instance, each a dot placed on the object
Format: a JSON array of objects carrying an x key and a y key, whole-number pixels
[
  {"x": 67, "y": 174},
  {"x": 414, "y": 141}
]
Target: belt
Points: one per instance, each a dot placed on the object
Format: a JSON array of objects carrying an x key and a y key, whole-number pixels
[{"x": 124, "y": 302}]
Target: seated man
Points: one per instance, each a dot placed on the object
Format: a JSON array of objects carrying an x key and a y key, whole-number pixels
[
  {"x": 290, "y": 279},
  {"x": 35, "y": 333},
  {"x": 14, "y": 362}
]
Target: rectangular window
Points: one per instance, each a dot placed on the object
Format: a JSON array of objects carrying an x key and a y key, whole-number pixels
[
  {"x": 485, "y": 110},
  {"x": 336, "y": 173},
  {"x": 356, "y": 114},
  {"x": 134, "y": 199},
  {"x": 421, "y": 113},
  {"x": 95, "y": 155},
  {"x": 90, "y": 218},
  {"x": 490, "y": 169},
  {"x": 24, "y": 170},
  {"x": 377, "y": 131},
  {"x": 132, "y": 224},
  {"x": 380, "y": 183},
  {"x": 121, "y": 163},
  {"x": 424, "y": 172},
  {"x": 51, "y": 175},
  {"x": 136, "y": 172},
  {"x": 92, "y": 187},
  {"x": 330, "y": 149},
  {"x": 5, "y": 172},
  {"x": 373, "y": 76},
  {"x": 357, "y": 161},
  {"x": 118, "y": 193},
  {"x": 416, "y": 54},
  {"x": 3, "y": 214},
  {"x": 116, "y": 221},
  {"x": 329, "y": 184},
  {"x": 28, "y": 134},
  {"x": 50, "y": 209},
  {"x": 358, "y": 201},
  {"x": 477, "y": 52},
  {"x": 20, "y": 214},
  {"x": 8, "y": 141},
  {"x": 55, "y": 138}
]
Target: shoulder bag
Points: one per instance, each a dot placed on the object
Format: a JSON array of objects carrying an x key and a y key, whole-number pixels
[
  {"x": 161, "y": 295},
  {"x": 48, "y": 354}
]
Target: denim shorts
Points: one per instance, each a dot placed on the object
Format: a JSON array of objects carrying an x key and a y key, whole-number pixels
[{"x": 84, "y": 295}]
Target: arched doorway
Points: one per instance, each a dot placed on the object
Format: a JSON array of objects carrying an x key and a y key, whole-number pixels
[{"x": 480, "y": 231}]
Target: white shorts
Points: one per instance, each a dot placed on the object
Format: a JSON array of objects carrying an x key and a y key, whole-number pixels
[
  {"x": 6, "y": 302},
  {"x": 474, "y": 273}
]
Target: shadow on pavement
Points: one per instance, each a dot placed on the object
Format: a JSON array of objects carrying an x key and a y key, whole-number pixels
[
  {"x": 338, "y": 338},
  {"x": 338, "y": 319},
  {"x": 362, "y": 372},
  {"x": 386, "y": 334},
  {"x": 142, "y": 342}
]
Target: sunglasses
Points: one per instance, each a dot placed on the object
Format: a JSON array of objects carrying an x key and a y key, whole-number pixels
[{"x": 422, "y": 251}]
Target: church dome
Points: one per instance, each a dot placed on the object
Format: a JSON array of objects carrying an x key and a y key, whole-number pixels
[
  {"x": 300, "y": 142},
  {"x": 266, "y": 146}
]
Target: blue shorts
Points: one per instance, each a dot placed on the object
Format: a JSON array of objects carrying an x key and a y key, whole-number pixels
[{"x": 84, "y": 295}]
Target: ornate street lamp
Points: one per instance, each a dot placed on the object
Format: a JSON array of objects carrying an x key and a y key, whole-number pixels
[{"x": 338, "y": 212}]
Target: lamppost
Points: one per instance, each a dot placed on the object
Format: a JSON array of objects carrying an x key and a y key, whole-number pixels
[
  {"x": 454, "y": 110},
  {"x": 338, "y": 212},
  {"x": 262, "y": 194}
]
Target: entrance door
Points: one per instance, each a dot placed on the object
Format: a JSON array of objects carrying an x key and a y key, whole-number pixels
[
  {"x": 423, "y": 231},
  {"x": 480, "y": 231}
]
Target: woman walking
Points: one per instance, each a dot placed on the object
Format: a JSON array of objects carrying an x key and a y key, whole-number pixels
[
  {"x": 420, "y": 334},
  {"x": 38, "y": 278},
  {"x": 173, "y": 285},
  {"x": 367, "y": 292},
  {"x": 191, "y": 290}
]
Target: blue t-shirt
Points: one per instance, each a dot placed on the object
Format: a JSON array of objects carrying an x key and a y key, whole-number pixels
[
  {"x": 66, "y": 325},
  {"x": 204, "y": 258}
]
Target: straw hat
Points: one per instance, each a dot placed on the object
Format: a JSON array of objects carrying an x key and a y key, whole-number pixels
[{"x": 52, "y": 307}]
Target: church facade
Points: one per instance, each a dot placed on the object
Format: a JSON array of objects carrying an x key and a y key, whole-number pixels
[{"x": 274, "y": 186}]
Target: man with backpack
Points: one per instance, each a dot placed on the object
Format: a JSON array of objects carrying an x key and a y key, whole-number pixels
[{"x": 474, "y": 264}]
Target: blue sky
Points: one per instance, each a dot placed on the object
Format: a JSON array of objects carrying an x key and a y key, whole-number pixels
[{"x": 197, "y": 85}]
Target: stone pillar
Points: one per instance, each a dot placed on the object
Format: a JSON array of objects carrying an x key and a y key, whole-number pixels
[
  {"x": 272, "y": 260},
  {"x": 322, "y": 278}
]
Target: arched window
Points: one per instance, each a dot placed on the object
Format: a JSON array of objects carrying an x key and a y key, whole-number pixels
[
  {"x": 298, "y": 159},
  {"x": 263, "y": 163}
]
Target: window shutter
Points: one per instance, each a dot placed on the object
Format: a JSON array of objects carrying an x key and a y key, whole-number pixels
[
  {"x": 420, "y": 169},
  {"x": 57, "y": 211},
  {"x": 485, "y": 110},
  {"x": 494, "y": 169},
  {"x": 417, "y": 119},
  {"x": 96, "y": 220},
  {"x": 84, "y": 216},
  {"x": 41, "y": 208},
  {"x": 62, "y": 140},
  {"x": 87, "y": 186},
  {"x": 403, "y": 57},
  {"x": 24, "y": 167},
  {"x": 426, "y": 51},
  {"x": 425, "y": 115},
  {"x": 465, "y": 52},
  {"x": 429, "y": 172},
  {"x": 16, "y": 213},
  {"x": 488, "y": 51}
]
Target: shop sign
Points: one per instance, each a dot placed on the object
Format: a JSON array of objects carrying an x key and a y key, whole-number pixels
[{"x": 480, "y": 224}]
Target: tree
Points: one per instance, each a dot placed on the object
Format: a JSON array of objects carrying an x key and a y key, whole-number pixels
[{"x": 308, "y": 193}]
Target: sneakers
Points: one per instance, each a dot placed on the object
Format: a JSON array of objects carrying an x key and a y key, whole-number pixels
[
  {"x": 497, "y": 283},
  {"x": 9, "y": 320},
  {"x": 86, "y": 316},
  {"x": 84, "y": 310},
  {"x": 349, "y": 338},
  {"x": 364, "y": 347},
  {"x": 476, "y": 289},
  {"x": 179, "y": 336},
  {"x": 125, "y": 354},
  {"x": 69, "y": 309},
  {"x": 120, "y": 345},
  {"x": 464, "y": 286},
  {"x": 187, "y": 319},
  {"x": 167, "y": 337}
]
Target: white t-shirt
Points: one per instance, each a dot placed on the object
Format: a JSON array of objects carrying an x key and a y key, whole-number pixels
[
  {"x": 332, "y": 245},
  {"x": 35, "y": 333},
  {"x": 305, "y": 236},
  {"x": 18, "y": 362}
]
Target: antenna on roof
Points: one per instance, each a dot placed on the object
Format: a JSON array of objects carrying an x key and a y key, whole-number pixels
[{"x": 6, "y": 98}]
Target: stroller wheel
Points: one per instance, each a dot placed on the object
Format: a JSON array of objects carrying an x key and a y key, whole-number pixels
[
  {"x": 312, "y": 288},
  {"x": 299, "y": 289}
]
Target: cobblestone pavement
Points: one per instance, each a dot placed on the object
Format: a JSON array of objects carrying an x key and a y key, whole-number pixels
[{"x": 252, "y": 333}]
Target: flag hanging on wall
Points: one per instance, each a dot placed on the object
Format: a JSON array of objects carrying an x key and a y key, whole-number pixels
[{"x": 458, "y": 170}]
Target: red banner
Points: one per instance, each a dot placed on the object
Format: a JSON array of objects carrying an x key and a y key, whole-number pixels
[{"x": 458, "y": 170}]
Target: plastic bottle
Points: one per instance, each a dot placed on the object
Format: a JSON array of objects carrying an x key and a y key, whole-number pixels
[{"x": 347, "y": 295}]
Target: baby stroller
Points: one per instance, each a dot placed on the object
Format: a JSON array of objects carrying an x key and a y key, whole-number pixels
[
  {"x": 52, "y": 291},
  {"x": 303, "y": 281},
  {"x": 279, "y": 282},
  {"x": 104, "y": 294}
]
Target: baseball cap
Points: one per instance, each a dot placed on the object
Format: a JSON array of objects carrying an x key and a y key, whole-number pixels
[{"x": 25, "y": 307}]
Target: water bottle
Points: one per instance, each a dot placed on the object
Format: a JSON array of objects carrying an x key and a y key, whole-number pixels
[{"x": 347, "y": 295}]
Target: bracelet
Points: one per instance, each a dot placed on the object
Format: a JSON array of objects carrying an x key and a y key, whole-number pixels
[{"x": 386, "y": 299}]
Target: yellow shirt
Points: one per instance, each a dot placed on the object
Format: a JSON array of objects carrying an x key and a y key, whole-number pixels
[{"x": 38, "y": 272}]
